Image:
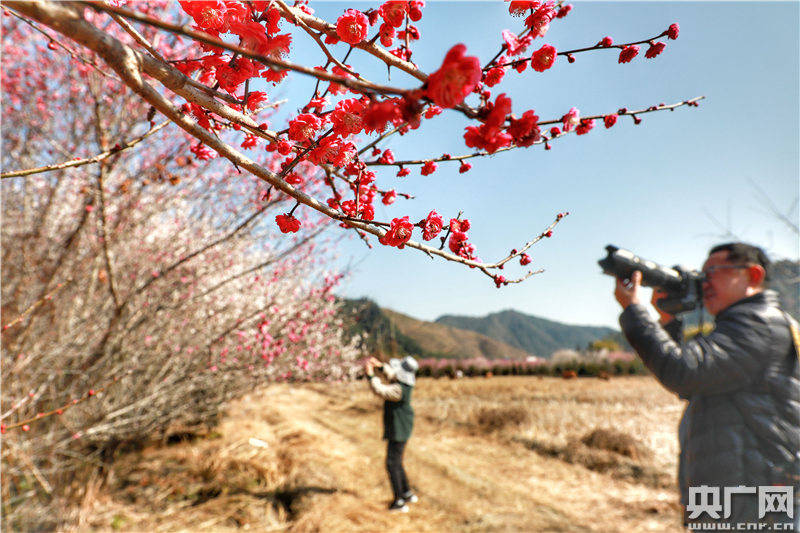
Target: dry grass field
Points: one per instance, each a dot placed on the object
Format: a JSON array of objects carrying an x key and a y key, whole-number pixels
[{"x": 498, "y": 454}]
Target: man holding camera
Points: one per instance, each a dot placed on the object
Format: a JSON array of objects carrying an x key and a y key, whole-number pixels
[
  {"x": 398, "y": 420},
  {"x": 741, "y": 427}
]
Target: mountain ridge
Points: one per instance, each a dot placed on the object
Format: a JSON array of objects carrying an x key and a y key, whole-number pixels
[
  {"x": 388, "y": 331},
  {"x": 533, "y": 334}
]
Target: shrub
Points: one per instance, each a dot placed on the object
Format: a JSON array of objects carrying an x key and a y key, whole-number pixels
[
  {"x": 617, "y": 442},
  {"x": 492, "y": 419}
]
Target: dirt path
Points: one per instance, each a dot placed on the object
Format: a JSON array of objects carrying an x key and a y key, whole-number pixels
[
  {"x": 310, "y": 458},
  {"x": 465, "y": 482}
]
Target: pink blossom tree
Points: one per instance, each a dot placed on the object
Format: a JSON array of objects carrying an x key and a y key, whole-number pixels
[{"x": 140, "y": 289}]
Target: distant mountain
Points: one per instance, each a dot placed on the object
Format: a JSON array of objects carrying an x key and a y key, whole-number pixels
[
  {"x": 446, "y": 341},
  {"x": 532, "y": 334},
  {"x": 392, "y": 333}
]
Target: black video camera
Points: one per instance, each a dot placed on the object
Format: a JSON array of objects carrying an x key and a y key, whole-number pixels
[{"x": 684, "y": 288}]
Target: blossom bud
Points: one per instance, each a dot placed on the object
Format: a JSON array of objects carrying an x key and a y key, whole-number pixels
[{"x": 673, "y": 30}]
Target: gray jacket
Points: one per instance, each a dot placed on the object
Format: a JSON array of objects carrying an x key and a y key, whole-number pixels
[{"x": 742, "y": 423}]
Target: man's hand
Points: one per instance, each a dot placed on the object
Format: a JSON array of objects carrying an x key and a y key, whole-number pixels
[
  {"x": 658, "y": 294},
  {"x": 628, "y": 293},
  {"x": 376, "y": 363},
  {"x": 368, "y": 367}
]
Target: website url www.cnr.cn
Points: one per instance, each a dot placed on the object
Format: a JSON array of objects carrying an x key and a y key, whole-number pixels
[{"x": 740, "y": 526}]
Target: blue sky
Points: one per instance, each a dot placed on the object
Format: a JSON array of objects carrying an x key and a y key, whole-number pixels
[{"x": 667, "y": 189}]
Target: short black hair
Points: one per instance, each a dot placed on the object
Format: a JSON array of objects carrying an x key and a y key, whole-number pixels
[{"x": 744, "y": 254}]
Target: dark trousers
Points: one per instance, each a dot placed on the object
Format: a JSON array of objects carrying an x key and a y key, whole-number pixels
[{"x": 394, "y": 465}]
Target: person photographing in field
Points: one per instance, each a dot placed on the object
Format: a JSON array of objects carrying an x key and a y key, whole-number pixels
[
  {"x": 398, "y": 420},
  {"x": 741, "y": 427}
]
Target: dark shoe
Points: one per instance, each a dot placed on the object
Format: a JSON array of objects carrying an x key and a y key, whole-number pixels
[
  {"x": 410, "y": 497},
  {"x": 399, "y": 506}
]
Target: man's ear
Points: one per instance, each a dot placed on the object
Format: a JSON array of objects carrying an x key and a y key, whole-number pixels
[{"x": 757, "y": 275}]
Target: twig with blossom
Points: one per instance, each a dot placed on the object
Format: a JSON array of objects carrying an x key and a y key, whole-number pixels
[
  {"x": 368, "y": 46},
  {"x": 299, "y": 22},
  {"x": 443, "y": 238},
  {"x": 379, "y": 191},
  {"x": 598, "y": 46},
  {"x": 36, "y": 304},
  {"x": 288, "y": 168},
  {"x": 382, "y": 136},
  {"x": 328, "y": 88},
  {"x": 503, "y": 47},
  {"x": 139, "y": 38},
  {"x": 25, "y": 424},
  {"x": 621, "y": 112}
]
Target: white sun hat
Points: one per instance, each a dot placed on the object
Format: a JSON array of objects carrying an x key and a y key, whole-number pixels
[{"x": 405, "y": 369}]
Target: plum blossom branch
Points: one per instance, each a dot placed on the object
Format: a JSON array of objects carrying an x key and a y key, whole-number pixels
[
  {"x": 360, "y": 86},
  {"x": 328, "y": 88},
  {"x": 352, "y": 183},
  {"x": 599, "y": 46},
  {"x": 485, "y": 268},
  {"x": 621, "y": 112},
  {"x": 380, "y": 138},
  {"x": 24, "y": 424},
  {"x": 36, "y": 304},
  {"x": 447, "y": 88},
  {"x": 368, "y": 46},
  {"x": 139, "y": 38},
  {"x": 299, "y": 22},
  {"x": 288, "y": 168},
  {"x": 355, "y": 85},
  {"x": 504, "y": 46}
]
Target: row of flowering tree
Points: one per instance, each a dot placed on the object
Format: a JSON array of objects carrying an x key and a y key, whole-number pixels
[
  {"x": 140, "y": 292},
  {"x": 163, "y": 241},
  {"x": 597, "y": 364}
]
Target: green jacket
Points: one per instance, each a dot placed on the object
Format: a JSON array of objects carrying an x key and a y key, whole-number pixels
[{"x": 398, "y": 417}]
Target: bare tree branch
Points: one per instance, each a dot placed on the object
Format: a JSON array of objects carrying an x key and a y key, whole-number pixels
[{"x": 85, "y": 161}]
